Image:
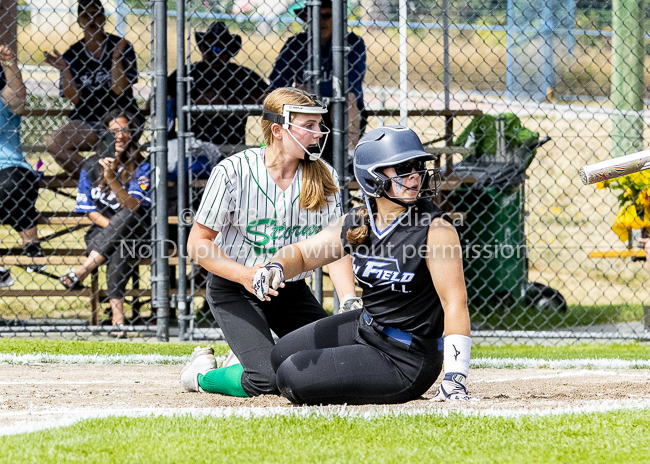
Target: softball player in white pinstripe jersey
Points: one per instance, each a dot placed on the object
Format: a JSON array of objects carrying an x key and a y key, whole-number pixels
[{"x": 256, "y": 202}]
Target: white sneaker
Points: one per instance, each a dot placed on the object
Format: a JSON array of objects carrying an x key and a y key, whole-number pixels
[
  {"x": 229, "y": 360},
  {"x": 5, "y": 278},
  {"x": 201, "y": 361}
]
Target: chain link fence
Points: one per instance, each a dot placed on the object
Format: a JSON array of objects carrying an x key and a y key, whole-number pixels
[{"x": 515, "y": 97}]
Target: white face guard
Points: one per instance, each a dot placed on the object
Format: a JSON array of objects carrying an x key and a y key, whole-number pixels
[{"x": 311, "y": 153}]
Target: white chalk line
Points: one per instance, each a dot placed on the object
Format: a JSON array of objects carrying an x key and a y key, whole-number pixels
[
  {"x": 45, "y": 358},
  {"x": 569, "y": 373},
  {"x": 534, "y": 363},
  {"x": 81, "y": 382},
  {"x": 71, "y": 417},
  {"x": 476, "y": 363}
]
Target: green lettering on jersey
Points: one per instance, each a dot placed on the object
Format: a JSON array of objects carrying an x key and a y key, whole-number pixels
[
  {"x": 276, "y": 232},
  {"x": 264, "y": 238}
]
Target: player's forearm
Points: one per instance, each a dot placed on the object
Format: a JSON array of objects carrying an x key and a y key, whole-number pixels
[
  {"x": 307, "y": 255},
  {"x": 291, "y": 259},
  {"x": 14, "y": 93},
  {"x": 119, "y": 81},
  {"x": 342, "y": 276},
  {"x": 456, "y": 318},
  {"x": 354, "y": 122},
  {"x": 98, "y": 218},
  {"x": 125, "y": 200},
  {"x": 209, "y": 256},
  {"x": 69, "y": 87}
]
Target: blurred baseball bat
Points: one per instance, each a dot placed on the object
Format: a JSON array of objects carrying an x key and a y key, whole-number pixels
[{"x": 615, "y": 167}]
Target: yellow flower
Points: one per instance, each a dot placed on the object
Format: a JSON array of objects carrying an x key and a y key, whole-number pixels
[
  {"x": 621, "y": 231},
  {"x": 600, "y": 185},
  {"x": 644, "y": 199},
  {"x": 627, "y": 216}
]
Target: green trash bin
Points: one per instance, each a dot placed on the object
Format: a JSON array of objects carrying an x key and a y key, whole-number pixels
[{"x": 492, "y": 235}]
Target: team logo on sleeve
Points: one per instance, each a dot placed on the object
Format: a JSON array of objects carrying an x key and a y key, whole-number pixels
[
  {"x": 376, "y": 271},
  {"x": 143, "y": 182}
]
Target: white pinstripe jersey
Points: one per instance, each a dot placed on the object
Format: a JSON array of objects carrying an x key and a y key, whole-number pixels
[{"x": 255, "y": 217}]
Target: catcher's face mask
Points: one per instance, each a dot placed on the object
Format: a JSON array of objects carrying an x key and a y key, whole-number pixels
[{"x": 311, "y": 153}]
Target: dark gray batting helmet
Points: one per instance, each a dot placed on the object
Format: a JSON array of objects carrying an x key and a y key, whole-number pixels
[{"x": 390, "y": 146}]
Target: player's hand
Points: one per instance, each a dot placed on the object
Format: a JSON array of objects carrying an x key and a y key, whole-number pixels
[
  {"x": 267, "y": 280},
  {"x": 6, "y": 54},
  {"x": 350, "y": 302},
  {"x": 56, "y": 59},
  {"x": 452, "y": 388},
  {"x": 110, "y": 167}
]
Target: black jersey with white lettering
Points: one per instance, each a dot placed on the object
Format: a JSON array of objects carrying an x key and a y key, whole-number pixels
[
  {"x": 392, "y": 271},
  {"x": 93, "y": 79}
]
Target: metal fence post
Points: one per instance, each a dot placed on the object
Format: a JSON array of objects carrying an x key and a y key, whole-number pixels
[
  {"x": 339, "y": 92},
  {"x": 161, "y": 301},
  {"x": 313, "y": 75},
  {"x": 183, "y": 212},
  {"x": 314, "y": 13}
]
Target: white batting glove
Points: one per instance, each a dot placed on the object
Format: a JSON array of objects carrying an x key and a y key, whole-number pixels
[
  {"x": 452, "y": 388},
  {"x": 269, "y": 276},
  {"x": 350, "y": 302}
]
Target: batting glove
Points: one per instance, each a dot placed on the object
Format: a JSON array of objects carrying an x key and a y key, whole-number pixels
[
  {"x": 452, "y": 388},
  {"x": 271, "y": 275},
  {"x": 350, "y": 302}
]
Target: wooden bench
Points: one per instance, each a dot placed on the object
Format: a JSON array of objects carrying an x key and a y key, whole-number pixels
[
  {"x": 636, "y": 254},
  {"x": 71, "y": 257}
]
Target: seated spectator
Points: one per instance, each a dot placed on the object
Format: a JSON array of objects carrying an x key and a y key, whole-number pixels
[
  {"x": 97, "y": 75},
  {"x": 18, "y": 182},
  {"x": 218, "y": 81},
  {"x": 290, "y": 67},
  {"x": 115, "y": 193}
]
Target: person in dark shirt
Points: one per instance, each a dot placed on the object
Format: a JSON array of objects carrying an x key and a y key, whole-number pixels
[
  {"x": 218, "y": 81},
  {"x": 289, "y": 70},
  {"x": 115, "y": 193},
  {"x": 407, "y": 258},
  {"x": 97, "y": 75}
]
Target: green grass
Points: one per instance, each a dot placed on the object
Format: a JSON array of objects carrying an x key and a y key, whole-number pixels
[
  {"x": 630, "y": 351},
  {"x": 24, "y": 346},
  {"x": 615, "y": 437},
  {"x": 518, "y": 318}
]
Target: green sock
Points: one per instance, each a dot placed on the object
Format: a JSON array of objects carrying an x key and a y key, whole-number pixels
[{"x": 226, "y": 381}]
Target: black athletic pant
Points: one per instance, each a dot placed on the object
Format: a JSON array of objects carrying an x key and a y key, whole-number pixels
[
  {"x": 343, "y": 360},
  {"x": 18, "y": 194},
  {"x": 247, "y": 323},
  {"x": 115, "y": 242}
]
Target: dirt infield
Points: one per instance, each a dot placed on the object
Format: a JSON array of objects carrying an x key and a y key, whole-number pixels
[{"x": 40, "y": 392}]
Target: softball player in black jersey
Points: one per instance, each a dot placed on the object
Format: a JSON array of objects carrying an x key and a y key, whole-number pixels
[
  {"x": 256, "y": 202},
  {"x": 407, "y": 258}
]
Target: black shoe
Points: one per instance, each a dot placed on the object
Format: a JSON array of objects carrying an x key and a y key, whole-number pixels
[
  {"x": 5, "y": 278},
  {"x": 34, "y": 250}
]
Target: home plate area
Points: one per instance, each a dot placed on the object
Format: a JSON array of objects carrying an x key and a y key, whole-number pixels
[{"x": 36, "y": 396}]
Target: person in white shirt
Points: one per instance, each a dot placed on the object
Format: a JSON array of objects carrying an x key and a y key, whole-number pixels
[{"x": 256, "y": 202}]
